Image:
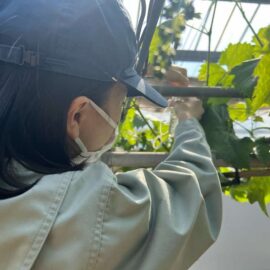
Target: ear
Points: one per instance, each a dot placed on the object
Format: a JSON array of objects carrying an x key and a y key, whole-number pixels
[{"x": 74, "y": 116}]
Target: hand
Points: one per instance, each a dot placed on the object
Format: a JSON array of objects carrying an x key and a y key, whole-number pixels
[
  {"x": 177, "y": 76},
  {"x": 174, "y": 76},
  {"x": 187, "y": 107}
]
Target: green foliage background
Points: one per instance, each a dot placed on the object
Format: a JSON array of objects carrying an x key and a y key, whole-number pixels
[{"x": 243, "y": 66}]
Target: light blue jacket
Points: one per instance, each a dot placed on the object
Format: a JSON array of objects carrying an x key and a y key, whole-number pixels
[{"x": 161, "y": 219}]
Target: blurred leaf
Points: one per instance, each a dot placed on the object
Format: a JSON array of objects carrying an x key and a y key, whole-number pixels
[
  {"x": 218, "y": 76},
  {"x": 156, "y": 41},
  {"x": 258, "y": 119},
  {"x": 263, "y": 150},
  {"x": 256, "y": 189},
  {"x": 244, "y": 81},
  {"x": 177, "y": 22},
  {"x": 197, "y": 15},
  {"x": 261, "y": 94},
  {"x": 222, "y": 140},
  {"x": 235, "y": 54},
  {"x": 239, "y": 193},
  {"x": 189, "y": 10},
  {"x": 217, "y": 101},
  {"x": 136, "y": 135},
  {"x": 238, "y": 111},
  {"x": 259, "y": 191},
  {"x": 127, "y": 130},
  {"x": 138, "y": 121},
  {"x": 264, "y": 36},
  {"x": 225, "y": 169}
]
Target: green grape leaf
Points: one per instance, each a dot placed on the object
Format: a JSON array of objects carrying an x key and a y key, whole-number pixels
[
  {"x": 258, "y": 119},
  {"x": 177, "y": 22},
  {"x": 256, "y": 189},
  {"x": 163, "y": 135},
  {"x": 217, "y": 101},
  {"x": 261, "y": 94},
  {"x": 217, "y": 75},
  {"x": 222, "y": 140},
  {"x": 238, "y": 111},
  {"x": 259, "y": 191},
  {"x": 264, "y": 36},
  {"x": 138, "y": 121},
  {"x": 156, "y": 41},
  {"x": 235, "y": 54},
  {"x": 127, "y": 130},
  {"x": 239, "y": 193},
  {"x": 242, "y": 148},
  {"x": 262, "y": 147},
  {"x": 244, "y": 81},
  {"x": 136, "y": 135}
]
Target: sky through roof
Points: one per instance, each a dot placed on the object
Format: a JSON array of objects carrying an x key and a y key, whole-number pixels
[{"x": 229, "y": 26}]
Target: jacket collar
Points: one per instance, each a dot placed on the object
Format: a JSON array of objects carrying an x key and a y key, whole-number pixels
[{"x": 22, "y": 175}]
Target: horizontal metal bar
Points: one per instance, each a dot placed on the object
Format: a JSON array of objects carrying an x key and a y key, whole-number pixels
[
  {"x": 196, "y": 56},
  {"x": 152, "y": 159},
  {"x": 169, "y": 91},
  {"x": 246, "y": 1},
  {"x": 246, "y": 174}
]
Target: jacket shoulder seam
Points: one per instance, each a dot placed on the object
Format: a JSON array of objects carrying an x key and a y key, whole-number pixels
[
  {"x": 47, "y": 223},
  {"x": 97, "y": 235}
]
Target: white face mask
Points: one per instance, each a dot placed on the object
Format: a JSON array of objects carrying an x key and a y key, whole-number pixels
[{"x": 91, "y": 157}]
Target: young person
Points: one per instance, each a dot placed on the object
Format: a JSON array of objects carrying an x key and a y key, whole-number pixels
[{"x": 66, "y": 68}]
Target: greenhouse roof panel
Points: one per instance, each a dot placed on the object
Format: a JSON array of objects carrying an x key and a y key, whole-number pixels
[{"x": 229, "y": 25}]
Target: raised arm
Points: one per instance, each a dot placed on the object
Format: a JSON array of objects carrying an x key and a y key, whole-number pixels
[{"x": 164, "y": 218}]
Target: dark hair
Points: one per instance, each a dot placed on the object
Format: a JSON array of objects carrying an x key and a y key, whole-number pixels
[{"x": 33, "y": 116}]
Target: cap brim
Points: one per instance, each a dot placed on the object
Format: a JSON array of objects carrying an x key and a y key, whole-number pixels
[{"x": 137, "y": 86}]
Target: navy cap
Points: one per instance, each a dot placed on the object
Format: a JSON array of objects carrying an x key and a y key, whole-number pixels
[{"x": 92, "y": 39}]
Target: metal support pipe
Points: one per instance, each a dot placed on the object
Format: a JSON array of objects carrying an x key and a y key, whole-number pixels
[
  {"x": 195, "y": 56},
  {"x": 247, "y": 174},
  {"x": 169, "y": 91}
]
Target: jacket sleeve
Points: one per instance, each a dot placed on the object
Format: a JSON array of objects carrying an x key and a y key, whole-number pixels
[{"x": 165, "y": 218}]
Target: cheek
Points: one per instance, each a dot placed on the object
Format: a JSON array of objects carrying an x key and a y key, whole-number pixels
[{"x": 116, "y": 112}]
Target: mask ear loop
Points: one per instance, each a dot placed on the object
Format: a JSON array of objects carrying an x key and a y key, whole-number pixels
[
  {"x": 81, "y": 145},
  {"x": 104, "y": 115}
]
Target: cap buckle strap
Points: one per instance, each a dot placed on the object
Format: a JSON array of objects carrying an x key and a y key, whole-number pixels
[
  {"x": 18, "y": 55},
  {"x": 29, "y": 57}
]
